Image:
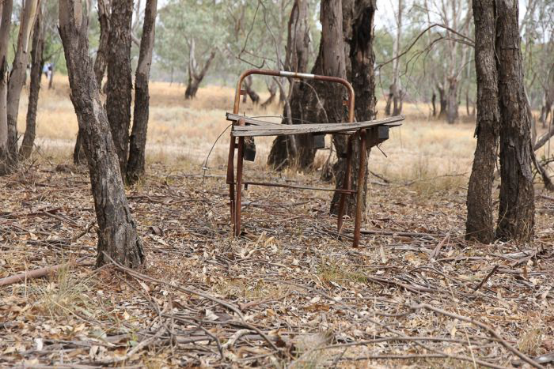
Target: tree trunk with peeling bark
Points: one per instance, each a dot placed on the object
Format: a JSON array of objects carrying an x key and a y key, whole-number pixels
[
  {"x": 117, "y": 234},
  {"x": 358, "y": 18},
  {"x": 516, "y": 218},
  {"x": 100, "y": 65},
  {"x": 120, "y": 84},
  {"x": 284, "y": 151},
  {"x": 6, "y": 6},
  {"x": 34, "y": 89},
  {"x": 480, "y": 212},
  {"x": 17, "y": 77},
  {"x": 137, "y": 147}
]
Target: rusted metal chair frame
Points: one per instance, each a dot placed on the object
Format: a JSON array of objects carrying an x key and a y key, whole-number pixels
[{"x": 235, "y": 193}]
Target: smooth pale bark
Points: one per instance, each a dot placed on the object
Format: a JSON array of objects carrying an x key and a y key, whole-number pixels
[
  {"x": 120, "y": 84},
  {"x": 17, "y": 77},
  {"x": 137, "y": 148},
  {"x": 358, "y": 24},
  {"x": 37, "y": 64},
  {"x": 117, "y": 234},
  {"x": 100, "y": 65},
  {"x": 516, "y": 218},
  {"x": 480, "y": 221},
  {"x": 7, "y": 6},
  {"x": 284, "y": 150}
]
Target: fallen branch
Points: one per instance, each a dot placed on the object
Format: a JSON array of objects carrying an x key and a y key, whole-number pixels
[
  {"x": 185, "y": 290},
  {"x": 486, "y": 278},
  {"x": 38, "y": 273},
  {"x": 483, "y": 326}
]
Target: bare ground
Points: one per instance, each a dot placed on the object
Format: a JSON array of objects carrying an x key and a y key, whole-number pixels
[{"x": 288, "y": 293}]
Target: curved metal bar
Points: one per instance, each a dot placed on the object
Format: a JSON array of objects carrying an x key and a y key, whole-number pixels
[{"x": 302, "y": 76}]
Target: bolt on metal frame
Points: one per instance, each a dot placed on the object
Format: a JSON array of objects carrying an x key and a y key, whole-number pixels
[{"x": 235, "y": 193}]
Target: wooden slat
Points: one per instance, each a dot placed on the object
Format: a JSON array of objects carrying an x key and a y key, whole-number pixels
[{"x": 262, "y": 128}]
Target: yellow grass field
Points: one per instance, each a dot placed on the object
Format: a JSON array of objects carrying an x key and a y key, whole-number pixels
[{"x": 290, "y": 292}]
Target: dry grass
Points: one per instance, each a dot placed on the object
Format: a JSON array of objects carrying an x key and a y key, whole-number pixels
[{"x": 293, "y": 278}]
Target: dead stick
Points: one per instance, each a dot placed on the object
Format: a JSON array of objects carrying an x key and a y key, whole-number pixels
[
  {"x": 35, "y": 274},
  {"x": 485, "y": 279},
  {"x": 483, "y": 326},
  {"x": 185, "y": 290}
]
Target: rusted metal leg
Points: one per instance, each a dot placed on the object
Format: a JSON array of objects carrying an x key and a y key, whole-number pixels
[
  {"x": 240, "y": 161},
  {"x": 345, "y": 184},
  {"x": 231, "y": 179},
  {"x": 360, "y": 193}
]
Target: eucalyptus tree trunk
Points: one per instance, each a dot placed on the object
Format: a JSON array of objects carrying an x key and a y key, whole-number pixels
[
  {"x": 396, "y": 87},
  {"x": 250, "y": 92},
  {"x": 480, "y": 219},
  {"x": 6, "y": 6},
  {"x": 120, "y": 84},
  {"x": 37, "y": 64},
  {"x": 358, "y": 25},
  {"x": 17, "y": 76},
  {"x": 452, "y": 100},
  {"x": 137, "y": 148},
  {"x": 100, "y": 64},
  {"x": 117, "y": 234},
  {"x": 284, "y": 151},
  {"x": 516, "y": 218},
  {"x": 196, "y": 76}
]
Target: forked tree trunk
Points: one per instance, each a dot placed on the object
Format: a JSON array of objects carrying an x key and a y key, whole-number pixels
[
  {"x": 117, "y": 234},
  {"x": 284, "y": 151},
  {"x": 272, "y": 88},
  {"x": 137, "y": 148},
  {"x": 480, "y": 221},
  {"x": 7, "y": 6},
  {"x": 120, "y": 84},
  {"x": 250, "y": 92},
  {"x": 195, "y": 76},
  {"x": 17, "y": 76},
  {"x": 36, "y": 73},
  {"x": 100, "y": 64},
  {"x": 516, "y": 218},
  {"x": 358, "y": 33}
]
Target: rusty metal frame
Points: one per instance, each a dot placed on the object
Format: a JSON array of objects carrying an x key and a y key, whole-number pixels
[{"x": 235, "y": 193}]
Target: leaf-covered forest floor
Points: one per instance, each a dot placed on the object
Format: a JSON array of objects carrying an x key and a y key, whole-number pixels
[{"x": 288, "y": 293}]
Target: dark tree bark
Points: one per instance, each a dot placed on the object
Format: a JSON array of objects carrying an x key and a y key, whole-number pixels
[
  {"x": 480, "y": 222},
  {"x": 517, "y": 208},
  {"x": 196, "y": 76},
  {"x": 137, "y": 148},
  {"x": 272, "y": 88},
  {"x": 120, "y": 85},
  {"x": 101, "y": 61},
  {"x": 34, "y": 89},
  {"x": 100, "y": 64},
  {"x": 434, "y": 104},
  {"x": 358, "y": 32},
  {"x": 285, "y": 150},
  {"x": 442, "y": 102},
  {"x": 117, "y": 234},
  {"x": 17, "y": 77},
  {"x": 6, "y": 6},
  {"x": 250, "y": 92}
]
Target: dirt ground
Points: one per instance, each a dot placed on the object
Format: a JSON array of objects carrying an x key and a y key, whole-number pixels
[{"x": 290, "y": 292}]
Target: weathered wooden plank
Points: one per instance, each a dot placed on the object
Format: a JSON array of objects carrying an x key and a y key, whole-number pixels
[{"x": 262, "y": 128}]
